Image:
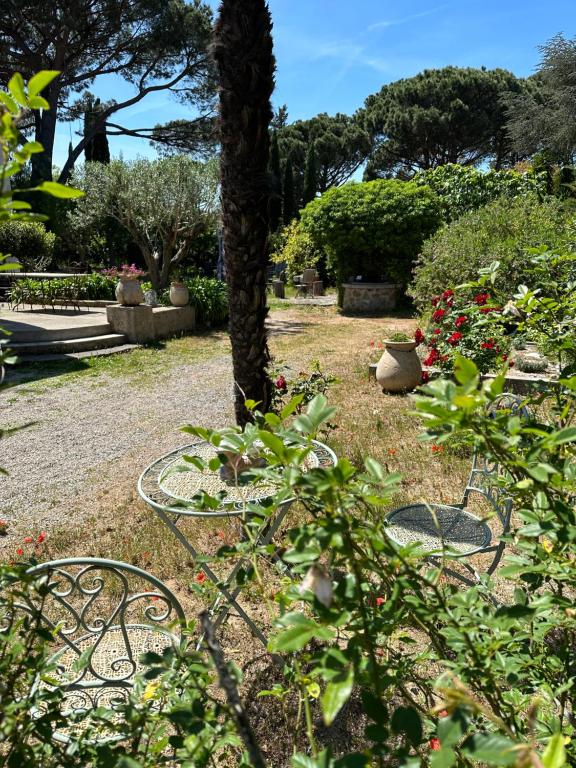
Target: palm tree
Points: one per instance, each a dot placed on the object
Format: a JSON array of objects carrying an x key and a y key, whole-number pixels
[{"x": 245, "y": 61}]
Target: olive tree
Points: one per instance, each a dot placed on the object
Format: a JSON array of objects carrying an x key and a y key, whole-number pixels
[{"x": 164, "y": 205}]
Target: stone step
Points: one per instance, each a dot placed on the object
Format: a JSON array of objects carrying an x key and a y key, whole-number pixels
[
  {"x": 67, "y": 346},
  {"x": 34, "y": 334},
  {"x": 109, "y": 351}
]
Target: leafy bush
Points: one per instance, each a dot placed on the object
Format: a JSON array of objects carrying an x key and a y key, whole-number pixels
[
  {"x": 296, "y": 248},
  {"x": 29, "y": 242},
  {"x": 502, "y": 231},
  {"x": 44, "y": 292},
  {"x": 464, "y": 188},
  {"x": 207, "y": 294},
  {"x": 465, "y": 325},
  {"x": 374, "y": 229}
]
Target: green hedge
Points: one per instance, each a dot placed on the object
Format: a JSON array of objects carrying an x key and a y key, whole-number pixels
[
  {"x": 501, "y": 231},
  {"x": 29, "y": 242},
  {"x": 375, "y": 229},
  {"x": 52, "y": 292}
]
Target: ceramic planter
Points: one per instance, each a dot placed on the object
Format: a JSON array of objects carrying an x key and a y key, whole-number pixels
[
  {"x": 399, "y": 368},
  {"x": 129, "y": 292},
  {"x": 179, "y": 295}
]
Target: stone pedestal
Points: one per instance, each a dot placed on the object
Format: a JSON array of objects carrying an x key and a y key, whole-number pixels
[
  {"x": 170, "y": 321},
  {"x": 136, "y": 323},
  {"x": 369, "y": 298}
]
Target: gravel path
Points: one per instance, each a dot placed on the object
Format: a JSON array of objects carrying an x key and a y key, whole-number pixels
[{"x": 94, "y": 433}]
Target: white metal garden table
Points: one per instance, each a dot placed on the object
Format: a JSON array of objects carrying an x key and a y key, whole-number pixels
[{"x": 174, "y": 495}]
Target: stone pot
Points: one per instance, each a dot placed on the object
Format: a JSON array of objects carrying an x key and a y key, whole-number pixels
[
  {"x": 129, "y": 292},
  {"x": 179, "y": 294},
  {"x": 399, "y": 368}
]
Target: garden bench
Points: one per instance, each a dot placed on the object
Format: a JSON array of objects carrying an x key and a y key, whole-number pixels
[{"x": 452, "y": 530}]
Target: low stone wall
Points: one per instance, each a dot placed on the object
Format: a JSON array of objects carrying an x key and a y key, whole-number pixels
[
  {"x": 369, "y": 298},
  {"x": 143, "y": 323}
]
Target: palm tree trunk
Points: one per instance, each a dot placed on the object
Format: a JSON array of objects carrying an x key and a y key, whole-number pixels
[{"x": 243, "y": 53}]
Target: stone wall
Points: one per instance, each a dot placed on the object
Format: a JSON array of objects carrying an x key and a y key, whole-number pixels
[
  {"x": 369, "y": 298},
  {"x": 143, "y": 323}
]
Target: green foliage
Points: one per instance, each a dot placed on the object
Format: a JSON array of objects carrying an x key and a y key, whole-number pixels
[
  {"x": 275, "y": 206},
  {"x": 374, "y": 229},
  {"x": 310, "y": 176},
  {"x": 61, "y": 290},
  {"x": 208, "y": 295},
  {"x": 165, "y": 205},
  {"x": 296, "y": 248},
  {"x": 289, "y": 209},
  {"x": 502, "y": 231},
  {"x": 466, "y": 323},
  {"x": 29, "y": 243},
  {"x": 463, "y": 188},
  {"x": 440, "y": 116}
]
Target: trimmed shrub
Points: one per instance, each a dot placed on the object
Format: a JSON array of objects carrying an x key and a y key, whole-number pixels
[
  {"x": 502, "y": 231},
  {"x": 29, "y": 242},
  {"x": 463, "y": 188},
  {"x": 52, "y": 292},
  {"x": 375, "y": 229}
]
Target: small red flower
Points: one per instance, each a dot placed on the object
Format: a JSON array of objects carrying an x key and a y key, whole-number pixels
[
  {"x": 419, "y": 336},
  {"x": 372, "y": 342},
  {"x": 437, "y": 331},
  {"x": 221, "y": 535},
  {"x": 444, "y": 713},
  {"x": 200, "y": 578},
  {"x": 490, "y": 344},
  {"x": 437, "y": 448},
  {"x": 28, "y": 540},
  {"x": 438, "y": 315},
  {"x": 504, "y": 357},
  {"x": 391, "y": 451},
  {"x": 425, "y": 377},
  {"x": 434, "y": 744},
  {"x": 19, "y": 551},
  {"x": 280, "y": 382},
  {"x": 448, "y": 294},
  {"x": 487, "y": 310},
  {"x": 455, "y": 338},
  {"x": 460, "y": 321},
  {"x": 380, "y": 345},
  {"x": 432, "y": 357},
  {"x": 435, "y": 300},
  {"x": 379, "y": 601},
  {"x": 41, "y": 537},
  {"x": 511, "y": 364},
  {"x": 481, "y": 299}
]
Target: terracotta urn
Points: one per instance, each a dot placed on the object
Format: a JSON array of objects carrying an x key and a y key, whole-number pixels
[
  {"x": 179, "y": 294},
  {"x": 129, "y": 292},
  {"x": 399, "y": 368}
]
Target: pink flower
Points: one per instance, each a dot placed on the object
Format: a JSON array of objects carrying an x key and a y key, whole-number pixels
[
  {"x": 379, "y": 601},
  {"x": 28, "y": 540},
  {"x": 434, "y": 744}
]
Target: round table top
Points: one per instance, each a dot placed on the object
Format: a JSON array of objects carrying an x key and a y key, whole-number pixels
[{"x": 163, "y": 485}]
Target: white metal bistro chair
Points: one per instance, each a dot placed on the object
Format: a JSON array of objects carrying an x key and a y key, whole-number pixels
[{"x": 453, "y": 530}]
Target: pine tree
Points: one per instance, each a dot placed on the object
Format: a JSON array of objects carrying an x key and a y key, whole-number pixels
[
  {"x": 290, "y": 212},
  {"x": 275, "y": 206},
  {"x": 310, "y": 175}
]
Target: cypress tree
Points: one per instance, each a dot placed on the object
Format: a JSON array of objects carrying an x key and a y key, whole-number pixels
[
  {"x": 310, "y": 175},
  {"x": 97, "y": 149},
  {"x": 289, "y": 198},
  {"x": 275, "y": 206}
]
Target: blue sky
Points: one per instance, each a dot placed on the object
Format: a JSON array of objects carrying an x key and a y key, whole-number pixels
[{"x": 331, "y": 54}]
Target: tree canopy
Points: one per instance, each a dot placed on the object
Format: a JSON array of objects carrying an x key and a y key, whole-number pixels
[
  {"x": 543, "y": 119},
  {"x": 440, "y": 116},
  {"x": 154, "y": 45}
]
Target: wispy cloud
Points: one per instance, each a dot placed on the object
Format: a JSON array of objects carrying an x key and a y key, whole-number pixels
[{"x": 385, "y": 23}]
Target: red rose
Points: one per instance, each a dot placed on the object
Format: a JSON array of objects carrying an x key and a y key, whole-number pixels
[
  {"x": 447, "y": 294},
  {"x": 425, "y": 377},
  {"x": 438, "y": 315},
  {"x": 432, "y": 357},
  {"x": 42, "y": 537},
  {"x": 379, "y": 601},
  {"x": 434, "y": 744},
  {"x": 487, "y": 310},
  {"x": 19, "y": 551},
  {"x": 455, "y": 338},
  {"x": 200, "y": 578},
  {"x": 460, "y": 321},
  {"x": 490, "y": 344},
  {"x": 437, "y": 331},
  {"x": 419, "y": 336},
  {"x": 481, "y": 299},
  {"x": 280, "y": 382},
  {"x": 435, "y": 300}
]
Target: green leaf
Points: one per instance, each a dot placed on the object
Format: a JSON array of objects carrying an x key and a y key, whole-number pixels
[
  {"x": 16, "y": 88},
  {"x": 336, "y": 695},
  {"x": 406, "y": 720},
  {"x": 40, "y": 80},
  {"x": 567, "y": 435},
  {"x": 9, "y": 103},
  {"x": 445, "y": 758},
  {"x": 490, "y": 748},
  {"x": 555, "y": 753},
  {"x": 60, "y": 191},
  {"x": 465, "y": 371}
]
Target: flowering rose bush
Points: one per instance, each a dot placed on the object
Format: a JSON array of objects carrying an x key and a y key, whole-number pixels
[{"x": 468, "y": 325}]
